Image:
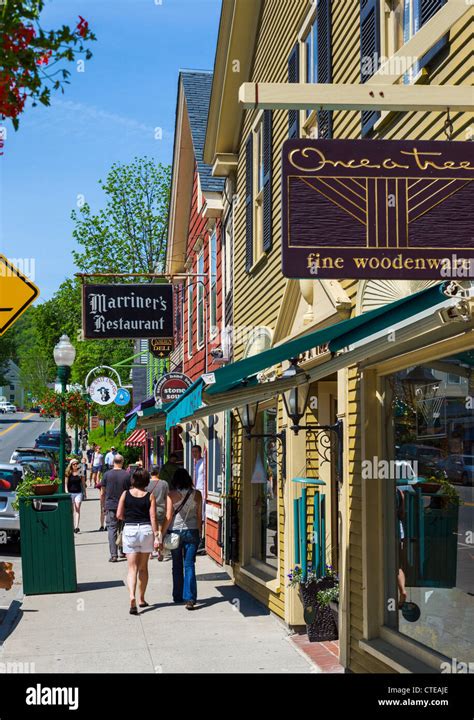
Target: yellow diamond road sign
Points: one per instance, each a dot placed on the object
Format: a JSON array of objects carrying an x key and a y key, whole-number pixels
[{"x": 16, "y": 294}]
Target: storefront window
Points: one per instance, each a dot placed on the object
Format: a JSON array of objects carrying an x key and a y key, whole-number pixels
[
  {"x": 430, "y": 442},
  {"x": 264, "y": 483}
]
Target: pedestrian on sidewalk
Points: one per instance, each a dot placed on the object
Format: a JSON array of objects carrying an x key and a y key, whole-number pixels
[
  {"x": 184, "y": 516},
  {"x": 75, "y": 487},
  {"x": 200, "y": 484},
  {"x": 159, "y": 489},
  {"x": 137, "y": 510},
  {"x": 109, "y": 459},
  {"x": 97, "y": 465},
  {"x": 113, "y": 484},
  {"x": 169, "y": 468}
]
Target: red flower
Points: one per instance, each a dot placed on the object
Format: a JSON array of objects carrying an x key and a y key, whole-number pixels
[
  {"x": 44, "y": 58},
  {"x": 82, "y": 27}
]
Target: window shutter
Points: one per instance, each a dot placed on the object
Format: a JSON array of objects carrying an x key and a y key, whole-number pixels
[
  {"x": 323, "y": 29},
  {"x": 267, "y": 181},
  {"x": 369, "y": 53},
  {"x": 294, "y": 77},
  {"x": 249, "y": 204},
  {"x": 426, "y": 10}
]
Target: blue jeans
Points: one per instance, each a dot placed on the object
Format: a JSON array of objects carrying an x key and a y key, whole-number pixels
[{"x": 184, "y": 572}]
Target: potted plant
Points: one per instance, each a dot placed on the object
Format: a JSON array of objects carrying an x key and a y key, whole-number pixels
[
  {"x": 445, "y": 491},
  {"x": 34, "y": 484},
  {"x": 330, "y": 597},
  {"x": 319, "y": 618}
]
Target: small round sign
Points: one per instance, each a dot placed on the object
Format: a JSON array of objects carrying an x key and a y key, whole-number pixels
[
  {"x": 170, "y": 387},
  {"x": 123, "y": 397},
  {"x": 103, "y": 390}
]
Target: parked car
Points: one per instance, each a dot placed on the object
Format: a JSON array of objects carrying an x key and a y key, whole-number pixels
[
  {"x": 6, "y": 407},
  {"x": 20, "y": 452},
  {"x": 427, "y": 457},
  {"x": 459, "y": 469},
  {"x": 9, "y": 518},
  {"x": 40, "y": 465},
  {"x": 51, "y": 440}
]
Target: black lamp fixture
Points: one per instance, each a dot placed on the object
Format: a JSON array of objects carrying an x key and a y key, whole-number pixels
[
  {"x": 248, "y": 417},
  {"x": 296, "y": 398}
]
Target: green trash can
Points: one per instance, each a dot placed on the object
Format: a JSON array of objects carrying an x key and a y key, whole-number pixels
[{"x": 48, "y": 556}]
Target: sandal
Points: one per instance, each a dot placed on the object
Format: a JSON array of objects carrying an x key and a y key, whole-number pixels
[
  {"x": 145, "y": 604},
  {"x": 133, "y": 610}
]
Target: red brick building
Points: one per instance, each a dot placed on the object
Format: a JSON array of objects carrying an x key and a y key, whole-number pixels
[{"x": 194, "y": 261}]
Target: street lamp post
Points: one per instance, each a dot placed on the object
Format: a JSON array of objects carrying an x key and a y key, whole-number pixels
[{"x": 64, "y": 355}]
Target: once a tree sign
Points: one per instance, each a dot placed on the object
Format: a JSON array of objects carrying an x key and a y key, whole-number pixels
[
  {"x": 127, "y": 311},
  {"x": 378, "y": 209}
]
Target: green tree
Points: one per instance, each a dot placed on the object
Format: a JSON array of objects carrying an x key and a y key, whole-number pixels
[{"x": 129, "y": 234}]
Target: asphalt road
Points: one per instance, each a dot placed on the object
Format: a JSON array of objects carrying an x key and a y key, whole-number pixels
[
  {"x": 20, "y": 430},
  {"x": 17, "y": 430}
]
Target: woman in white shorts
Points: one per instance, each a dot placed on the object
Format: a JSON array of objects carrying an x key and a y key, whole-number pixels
[
  {"x": 140, "y": 536},
  {"x": 76, "y": 488}
]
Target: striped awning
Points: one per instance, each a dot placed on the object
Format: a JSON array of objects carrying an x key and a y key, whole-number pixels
[{"x": 137, "y": 438}]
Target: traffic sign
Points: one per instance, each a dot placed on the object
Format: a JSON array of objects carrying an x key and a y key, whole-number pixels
[{"x": 16, "y": 294}]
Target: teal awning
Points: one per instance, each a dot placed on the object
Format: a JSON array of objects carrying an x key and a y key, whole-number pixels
[
  {"x": 188, "y": 403},
  {"x": 338, "y": 336},
  {"x": 132, "y": 423},
  {"x": 242, "y": 374}
]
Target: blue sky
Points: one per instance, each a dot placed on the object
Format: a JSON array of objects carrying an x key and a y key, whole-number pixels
[{"x": 107, "y": 114}]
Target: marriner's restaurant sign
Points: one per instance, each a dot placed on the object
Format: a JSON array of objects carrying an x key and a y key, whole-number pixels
[
  {"x": 127, "y": 311},
  {"x": 377, "y": 209}
]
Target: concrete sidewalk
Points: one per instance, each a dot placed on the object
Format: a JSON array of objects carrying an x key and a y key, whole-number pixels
[{"x": 92, "y": 631}]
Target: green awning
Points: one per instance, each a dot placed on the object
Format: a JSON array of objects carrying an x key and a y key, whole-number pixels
[
  {"x": 241, "y": 374},
  {"x": 338, "y": 336}
]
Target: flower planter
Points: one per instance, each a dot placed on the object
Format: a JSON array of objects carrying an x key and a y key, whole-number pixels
[
  {"x": 319, "y": 619},
  {"x": 335, "y": 611},
  {"x": 45, "y": 489}
]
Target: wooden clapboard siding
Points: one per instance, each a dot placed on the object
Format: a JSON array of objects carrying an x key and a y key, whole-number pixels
[
  {"x": 346, "y": 61},
  {"x": 258, "y": 295},
  {"x": 455, "y": 68},
  {"x": 254, "y": 305}
]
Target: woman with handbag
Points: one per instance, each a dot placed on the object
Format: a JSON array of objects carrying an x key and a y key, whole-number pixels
[
  {"x": 137, "y": 510},
  {"x": 184, "y": 514}
]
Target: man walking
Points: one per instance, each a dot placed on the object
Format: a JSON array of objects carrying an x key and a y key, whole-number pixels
[
  {"x": 168, "y": 470},
  {"x": 199, "y": 484},
  {"x": 114, "y": 482},
  {"x": 109, "y": 459}
]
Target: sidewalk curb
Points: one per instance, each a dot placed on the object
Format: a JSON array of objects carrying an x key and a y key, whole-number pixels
[
  {"x": 314, "y": 668},
  {"x": 11, "y": 617}
]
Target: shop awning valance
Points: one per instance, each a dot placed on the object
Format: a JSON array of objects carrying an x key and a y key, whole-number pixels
[
  {"x": 339, "y": 336},
  {"x": 138, "y": 438},
  {"x": 236, "y": 383},
  {"x": 132, "y": 423},
  {"x": 188, "y": 403}
]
